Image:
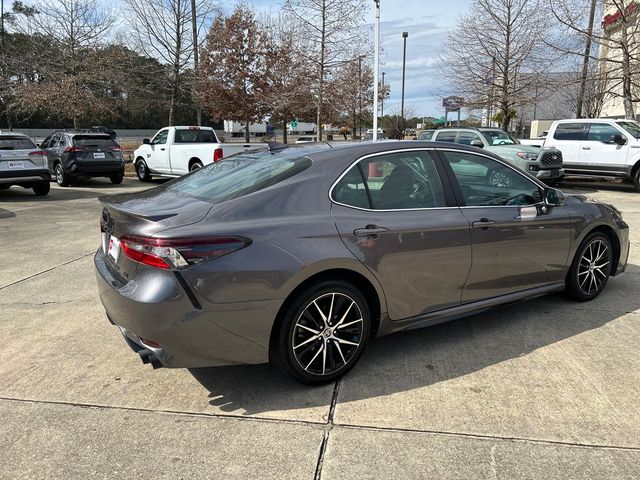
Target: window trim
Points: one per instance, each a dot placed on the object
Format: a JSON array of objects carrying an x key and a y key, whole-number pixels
[
  {"x": 455, "y": 185},
  {"x": 449, "y": 194}
]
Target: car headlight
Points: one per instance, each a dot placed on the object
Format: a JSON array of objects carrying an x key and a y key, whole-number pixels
[{"x": 527, "y": 155}]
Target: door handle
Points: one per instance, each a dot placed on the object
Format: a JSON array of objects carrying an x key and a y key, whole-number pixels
[
  {"x": 586, "y": 148},
  {"x": 483, "y": 224},
  {"x": 162, "y": 149},
  {"x": 370, "y": 231}
]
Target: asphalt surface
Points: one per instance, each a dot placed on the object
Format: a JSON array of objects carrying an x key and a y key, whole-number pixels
[{"x": 545, "y": 389}]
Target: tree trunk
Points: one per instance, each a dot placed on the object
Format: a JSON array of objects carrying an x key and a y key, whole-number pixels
[
  {"x": 585, "y": 62},
  {"x": 246, "y": 132},
  {"x": 627, "y": 93},
  {"x": 321, "y": 79},
  {"x": 172, "y": 105},
  {"x": 196, "y": 71},
  {"x": 284, "y": 131}
]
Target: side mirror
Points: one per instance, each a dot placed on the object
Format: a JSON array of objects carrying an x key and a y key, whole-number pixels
[
  {"x": 618, "y": 139},
  {"x": 146, "y": 141},
  {"x": 476, "y": 143},
  {"x": 553, "y": 197}
]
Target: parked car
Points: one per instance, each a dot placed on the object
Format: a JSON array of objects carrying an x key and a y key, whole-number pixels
[
  {"x": 369, "y": 136},
  {"x": 598, "y": 147},
  {"x": 545, "y": 164},
  {"x": 426, "y": 135},
  {"x": 73, "y": 155},
  {"x": 100, "y": 129},
  {"x": 174, "y": 151},
  {"x": 311, "y": 139},
  {"x": 300, "y": 255},
  {"x": 23, "y": 164}
]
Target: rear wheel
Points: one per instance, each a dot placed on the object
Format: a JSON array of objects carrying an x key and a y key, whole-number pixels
[
  {"x": 591, "y": 268},
  {"x": 116, "y": 179},
  {"x": 42, "y": 188},
  {"x": 323, "y": 333},
  {"x": 197, "y": 165},
  {"x": 142, "y": 171},
  {"x": 61, "y": 177}
]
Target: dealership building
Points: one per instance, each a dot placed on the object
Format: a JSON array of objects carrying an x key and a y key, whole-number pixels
[{"x": 611, "y": 52}]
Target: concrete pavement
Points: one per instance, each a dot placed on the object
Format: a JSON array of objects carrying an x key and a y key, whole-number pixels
[{"x": 543, "y": 389}]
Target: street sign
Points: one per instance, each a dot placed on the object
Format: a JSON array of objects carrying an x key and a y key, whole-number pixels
[
  {"x": 294, "y": 124},
  {"x": 442, "y": 119},
  {"x": 452, "y": 103}
]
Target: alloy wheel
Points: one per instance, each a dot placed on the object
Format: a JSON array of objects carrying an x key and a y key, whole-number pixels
[
  {"x": 327, "y": 334},
  {"x": 593, "y": 268}
]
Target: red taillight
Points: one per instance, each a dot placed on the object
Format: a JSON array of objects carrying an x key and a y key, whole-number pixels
[
  {"x": 150, "y": 343},
  {"x": 217, "y": 155},
  {"x": 73, "y": 149},
  {"x": 38, "y": 154},
  {"x": 180, "y": 252}
]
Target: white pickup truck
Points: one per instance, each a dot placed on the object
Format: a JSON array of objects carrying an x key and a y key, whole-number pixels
[
  {"x": 174, "y": 151},
  {"x": 598, "y": 147}
]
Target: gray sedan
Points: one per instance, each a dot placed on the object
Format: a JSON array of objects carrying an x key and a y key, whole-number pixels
[{"x": 299, "y": 255}]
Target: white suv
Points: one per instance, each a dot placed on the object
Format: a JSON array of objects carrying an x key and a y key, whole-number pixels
[{"x": 598, "y": 147}]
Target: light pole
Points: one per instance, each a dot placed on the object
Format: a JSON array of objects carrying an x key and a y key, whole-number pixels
[
  {"x": 376, "y": 66},
  {"x": 382, "y": 101},
  {"x": 404, "y": 65},
  {"x": 360, "y": 96}
]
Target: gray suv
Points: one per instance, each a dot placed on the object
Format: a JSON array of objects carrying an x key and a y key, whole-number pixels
[
  {"x": 22, "y": 163},
  {"x": 543, "y": 163}
]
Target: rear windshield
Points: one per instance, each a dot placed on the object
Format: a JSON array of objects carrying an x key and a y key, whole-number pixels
[
  {"x": 97, "y": 141},
  {"x": 195, "y": 136},
  {"x": 16, "y": 143},
  {"x": 240, "y": 175}
]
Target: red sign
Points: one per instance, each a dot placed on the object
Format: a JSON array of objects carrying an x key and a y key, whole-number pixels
[{"x": 612, "y": 19}]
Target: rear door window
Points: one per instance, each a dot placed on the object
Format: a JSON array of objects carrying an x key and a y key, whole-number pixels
[
  {"x": 16, "y": 143},
  {"x": 446, "y": 137},
  {"x": 569, "y": 131}
]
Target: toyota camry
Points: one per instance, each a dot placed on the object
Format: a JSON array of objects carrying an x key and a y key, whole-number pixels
[{"x": 299, "y": 256}]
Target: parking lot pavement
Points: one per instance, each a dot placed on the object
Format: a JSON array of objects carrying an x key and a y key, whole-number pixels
[{"x": 543, "y": 389}]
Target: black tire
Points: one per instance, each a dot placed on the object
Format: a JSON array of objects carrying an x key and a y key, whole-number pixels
[
  {"x": 41, "y": 188},
  {"x": 591, "y": 268},
  {"x": 5, "y": 187},
  {"x": 61, "y": 178},
  {"x": 142, "y": 171},
  {"x": 116, "y": 179},
  {"x": 197, "y": 165},
  {"x": 330, "y": 351},
  {"x": 636, "y": 180}
]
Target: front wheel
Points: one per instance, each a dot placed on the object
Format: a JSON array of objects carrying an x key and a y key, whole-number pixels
[
  {"x": 142, "y": 171},
  {"x": 636, "y": 180},
  {"x": 323, "y": 333},
  {"x": 42, "y": 188},
  {"x": 591, "y": 268}
]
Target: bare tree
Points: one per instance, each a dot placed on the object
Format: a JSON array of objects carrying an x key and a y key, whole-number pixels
[
  {"x": 330, "y": 28},
  {"x": 288, "y": 96},
  {"x": 235, "y": 70},
  {"x": 163, "y": 29},
  {"x": 65, "y": 80},
  {"x": 492, "y": 49},
  {"x": 618, "y": 39}
]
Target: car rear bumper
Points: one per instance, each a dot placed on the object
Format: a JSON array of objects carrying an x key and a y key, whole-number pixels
[
  {"x": 24, "y": 177},
  {"x": 89, "y": 169},
  {"x": 158, "y": 309}
]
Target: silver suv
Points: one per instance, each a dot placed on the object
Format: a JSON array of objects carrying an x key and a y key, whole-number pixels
[
  {"x": 22, "y": 163},
  {"x": 543, "y": 163}
]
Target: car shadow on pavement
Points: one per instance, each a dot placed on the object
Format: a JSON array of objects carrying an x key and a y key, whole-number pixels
[
  {"x": 6, "y": 213},
  {"x": 592, "y": 186},
  {"x": 81, "y": 190},
  {"x": 419, "y": 358}
]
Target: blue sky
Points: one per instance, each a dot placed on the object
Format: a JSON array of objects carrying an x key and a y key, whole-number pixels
[{"x": 427, "y": 22}]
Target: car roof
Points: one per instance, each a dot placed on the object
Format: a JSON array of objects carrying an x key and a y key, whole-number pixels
[
  {"x": 591, "y": 120},
  {"x": 12, "y": 134}
]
